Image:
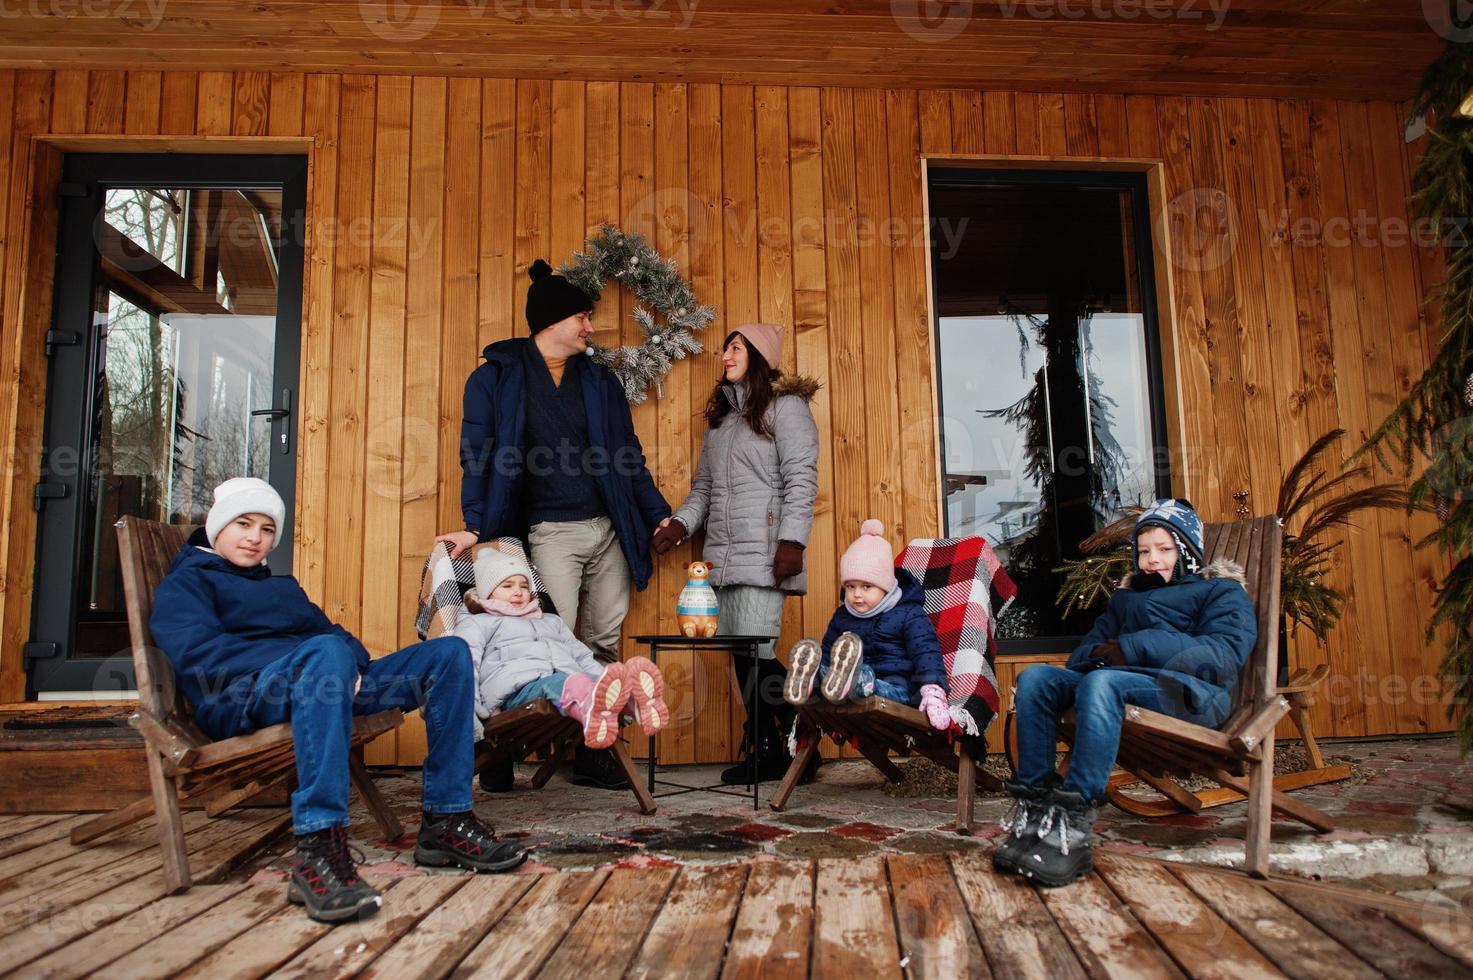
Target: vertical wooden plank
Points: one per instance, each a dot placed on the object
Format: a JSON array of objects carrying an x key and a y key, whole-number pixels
[
  {"x": 1052, "y": 136},
  {"x": 877, "y": 314},
  {"x": 320, "y": 120},
  {"x": 968, "y": 122},
  {"x": 527, "y": 935},
  {"x": 697, "y": 913},
  {"x": 533, "y": 193},
  {"x": 601, "y": 163},
  {"x": 1111, "y": 125},
  {"x": 144, "y": 101},
  {"x": 216, "y": 99},
  {"x": 1107, "y": 938},
  {"x": 999, "y": 123},
  {"x": 498, "y": 274},
  {"x": 568, "y": 150},
  {"x": 606, "y": 936},
  {"x": 383, "y": 606},
  {"x": 936, "y": 122},
  {"x": 715, "y": 700},
  {"x": 919, "y": 449},
  {"x": 284, "y": 113},
  {"x": 853, "y": 926},
  {"x": 69, "y": 101},
  {"x": 179, "y": 97},
  {"x": 1026, "y": 122},
  {"x": 106, "y": 91},
  {"x": 252, "y": 103},
  {"x": 772, "y": 936},
  {"x": 811, "y": 338},
  {"x": 444, "y": 937},
  {"x": 937, "y": 938},
  {"x": 740, "y": 224},
  {"x": 1019, "y": 935},
  {"x": 1081, "y": 127}
]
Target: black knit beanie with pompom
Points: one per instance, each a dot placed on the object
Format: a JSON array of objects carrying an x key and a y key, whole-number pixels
[{"x": 551, "y": 298}]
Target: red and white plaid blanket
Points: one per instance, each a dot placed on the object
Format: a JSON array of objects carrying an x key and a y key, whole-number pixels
[{"x": 966, "y": 589}]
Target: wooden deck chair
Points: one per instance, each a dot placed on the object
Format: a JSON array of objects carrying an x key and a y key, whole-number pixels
[
  {"x": 183, "y": 763},
  {"x": 536, "y": 727},
  {"x": 877, "y": 726},
  {"x": 1160, "y": 750}
]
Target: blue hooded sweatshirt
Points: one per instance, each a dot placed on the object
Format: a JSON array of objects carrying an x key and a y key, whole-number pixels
[
  {"x": 220, "y": 625},
  {"x": 1193, "y": 635},
  {"x": 898, "y": 643}
]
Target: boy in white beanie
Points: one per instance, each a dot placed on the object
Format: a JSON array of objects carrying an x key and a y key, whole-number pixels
[
  {"x": 522, "y": 653},
  {"x": 250, "y": 650},
  {"x": 880, "y": 640}
]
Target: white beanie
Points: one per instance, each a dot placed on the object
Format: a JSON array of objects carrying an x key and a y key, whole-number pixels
[
  {"x": 245, "y": 495},
  {"x": 494, "y": 566}
]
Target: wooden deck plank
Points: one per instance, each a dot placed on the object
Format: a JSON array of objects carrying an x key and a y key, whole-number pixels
[
  {"x": 937, "y": 938},
  {"x": 404, "y": 907},
  {"x": 1294, "y": 944},
  {"x": 15, "y": 824},
  {"x": 697, "y": 916},
  {"x": 58, "y": 827},
  {"x": 52, "y": 864},
  {"x": 1017, "y": 932},
  {"x": 1107, "y": 938},
  {"x": 176, "y": 949},
  {"x": 97, "y": 947},
  {"x": 446, "y": 935},
  {"x": 771, "y": 936},
  {"x": 1375, "y": 937},
  {"x": 853, "y": 927},
  {"x": 528, "y": 934},
  {"x": 1443, "y": 926},
  {"x": 606, "y": 937},
  {"x": 1196, "y": 937}
]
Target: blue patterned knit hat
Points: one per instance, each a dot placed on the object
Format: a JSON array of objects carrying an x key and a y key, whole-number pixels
[{"x": 1184, "y": 526}]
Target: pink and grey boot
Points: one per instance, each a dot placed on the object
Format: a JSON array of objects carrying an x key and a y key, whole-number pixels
[
  {"x": 647, "y": 694},
  {"x": 596, "y": 703}
]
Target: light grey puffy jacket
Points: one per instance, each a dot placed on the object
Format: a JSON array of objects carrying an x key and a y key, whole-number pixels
[
  {"x": 510, "y": 651},
  {"x": 750, "y": 491}
]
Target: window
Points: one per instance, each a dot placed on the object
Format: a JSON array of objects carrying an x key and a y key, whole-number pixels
[{"x": 1052, "y": 421}]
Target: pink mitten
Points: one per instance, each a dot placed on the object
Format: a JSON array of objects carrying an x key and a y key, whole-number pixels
[{"x": 933, "y": 704}]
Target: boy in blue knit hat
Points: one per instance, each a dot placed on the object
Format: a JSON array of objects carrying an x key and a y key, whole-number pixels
[{"x": 1173, "y": 640}]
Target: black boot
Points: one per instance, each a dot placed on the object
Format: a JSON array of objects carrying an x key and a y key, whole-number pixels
[
  {"x": 1021, "y": 823},
  {"x": 597, "y": 768},
  {"x": 462, "y": 839},
  {"x": 741, "y": 773},
  {"x": 325, "y": 879},
  {"x": 1061, "y": 853},
  {"x": 498, "y": 775}
]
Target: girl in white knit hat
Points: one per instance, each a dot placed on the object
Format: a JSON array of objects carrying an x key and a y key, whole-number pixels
[{"x": 522, "y": 653}]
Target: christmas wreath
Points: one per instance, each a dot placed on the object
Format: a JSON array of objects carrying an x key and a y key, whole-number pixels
[{"x": 660, "y": 291}]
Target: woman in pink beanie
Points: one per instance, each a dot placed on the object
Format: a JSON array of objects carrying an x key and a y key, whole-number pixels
[{"x": 880, "y": 640}]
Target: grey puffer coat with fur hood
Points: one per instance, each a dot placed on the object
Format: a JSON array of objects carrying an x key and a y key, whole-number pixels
[{"x": 751, "y": 491}]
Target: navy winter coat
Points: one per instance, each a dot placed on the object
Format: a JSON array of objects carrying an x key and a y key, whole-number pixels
[
  {"x": 899, "y": 642},
  {"x": 1194, "y": 635},
  {"x": 492, "y": 448},
  {"x": 220, "y": 625}
]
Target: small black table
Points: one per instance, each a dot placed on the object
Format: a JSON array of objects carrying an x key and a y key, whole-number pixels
[{"x": 738, "y": 645}]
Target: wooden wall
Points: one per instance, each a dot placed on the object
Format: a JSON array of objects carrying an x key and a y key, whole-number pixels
[{"x": 429, "y": 198}]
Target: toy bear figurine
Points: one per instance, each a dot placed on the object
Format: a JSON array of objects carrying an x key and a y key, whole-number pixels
[{"x": 696, "y": 608}]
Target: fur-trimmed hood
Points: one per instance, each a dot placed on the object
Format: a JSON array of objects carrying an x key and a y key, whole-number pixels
[
  {"x": 1224, "y": 568},
  {"x": 796, "y": 384}
]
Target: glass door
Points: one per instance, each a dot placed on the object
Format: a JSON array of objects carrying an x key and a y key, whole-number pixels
[{"x": 173, "y": 367}]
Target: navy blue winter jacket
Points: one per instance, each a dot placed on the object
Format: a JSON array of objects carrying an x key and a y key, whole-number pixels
[
  {"x": 900, "y": 642},
  {"x": 1193, "y": 635},
  {"x": 220, "y": 625},
  {"x": 492, "y": 455}
]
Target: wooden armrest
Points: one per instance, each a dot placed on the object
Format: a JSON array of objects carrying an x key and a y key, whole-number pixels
[
  {"x": 1247, "y": 741},
  {"x": 178, "y": 754}
]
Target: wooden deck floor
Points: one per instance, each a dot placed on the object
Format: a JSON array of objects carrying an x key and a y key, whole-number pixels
[{"x": 68, "y": 912}]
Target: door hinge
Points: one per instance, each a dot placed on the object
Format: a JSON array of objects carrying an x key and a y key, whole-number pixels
[
  {"x": 48, "y": 491},
  {"x": 60, "y": 338},
  {"x": 40, "y": 651}
]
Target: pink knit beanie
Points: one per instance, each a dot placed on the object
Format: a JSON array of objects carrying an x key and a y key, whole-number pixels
[
  {"x": 869, "y": 558},
  {"x": 767, "y": 338}
]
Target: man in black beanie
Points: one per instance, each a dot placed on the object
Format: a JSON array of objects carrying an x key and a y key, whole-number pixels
[{"x": 548, "y": 454}]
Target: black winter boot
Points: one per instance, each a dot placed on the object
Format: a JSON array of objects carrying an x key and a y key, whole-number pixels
[
  {"x": 462, "y": 839},
  {"x": 325, "y": 879},
  {"x": 498, "y": 775},
  {"x": 1029, "y": 805},
  {"x": 597, "y": 768},
  {"x": 1061, "y": 853}
]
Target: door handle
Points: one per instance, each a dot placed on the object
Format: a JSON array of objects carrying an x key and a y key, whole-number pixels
[
  {"x": 271, "y": 413},
  {"x": 284, "y": 437}
]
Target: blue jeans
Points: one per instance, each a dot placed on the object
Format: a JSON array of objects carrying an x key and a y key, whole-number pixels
[
  {"x": 550, "y": 687},
  {"x": 312, "y": 687},
  {"x": 1098, "y": 698},
  {"x": 866, "y": 684}
]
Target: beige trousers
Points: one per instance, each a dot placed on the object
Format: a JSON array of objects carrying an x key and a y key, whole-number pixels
[{"x": 587, "y": 578}]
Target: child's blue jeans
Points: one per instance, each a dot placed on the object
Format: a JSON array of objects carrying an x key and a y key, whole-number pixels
[
  {"x": 550, "y": 687},
  {"x": 866, "y": 684},
  {"x": 312, "y": 687},
  {"x": 1098, "y": 698}
]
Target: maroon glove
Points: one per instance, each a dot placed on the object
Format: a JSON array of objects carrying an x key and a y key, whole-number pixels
[
  {"x": 788, "y": 561},
  {"x": 1109, "y": 653},
  {"x": 668, "y": 536}
]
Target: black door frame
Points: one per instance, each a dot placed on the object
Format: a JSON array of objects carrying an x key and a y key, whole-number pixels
[{"x": 66, "y": 467}]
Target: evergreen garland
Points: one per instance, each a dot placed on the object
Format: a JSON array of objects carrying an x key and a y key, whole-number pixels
[
  {"x": 657, "y": 286},
  {"x": 1433, "y": 422}
]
